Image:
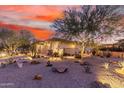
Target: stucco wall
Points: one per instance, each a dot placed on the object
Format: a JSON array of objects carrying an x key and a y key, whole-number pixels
[{"x": 69, "y": 48}]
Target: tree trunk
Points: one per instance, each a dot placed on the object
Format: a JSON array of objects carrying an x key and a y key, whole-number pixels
[{"x": 82, "y": 51}]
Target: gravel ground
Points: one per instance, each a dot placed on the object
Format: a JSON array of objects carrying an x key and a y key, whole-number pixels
[{"x": 13, "y": 77}]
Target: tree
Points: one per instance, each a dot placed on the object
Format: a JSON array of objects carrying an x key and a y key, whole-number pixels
[
  {"x": 11, "y": 40},
  {"x": 25, "y": 37},
  {"x": 27, "y": 41},
  {"x": 6, "y": 36},
  {"x": 88, "y": 24}
]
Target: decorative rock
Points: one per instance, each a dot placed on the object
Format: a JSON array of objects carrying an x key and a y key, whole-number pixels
[
  {"x": 37, "y": 77},
  {"x": 60, "y": 69},
  {"x": 20, "y": 65},
  {"x": 35, "y": 62}
]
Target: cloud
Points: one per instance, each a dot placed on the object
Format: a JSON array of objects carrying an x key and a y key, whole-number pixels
[
  {"x": 25, "y": 22},
  {"x": 36, "y": 16}
]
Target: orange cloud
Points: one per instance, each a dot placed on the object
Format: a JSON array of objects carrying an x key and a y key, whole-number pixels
[
  {"x": 38, "y": 33},
  {"x": 49, "y": 18},
  {"x": 42, "y": 34},
  {"x": 47, "y": 13}
]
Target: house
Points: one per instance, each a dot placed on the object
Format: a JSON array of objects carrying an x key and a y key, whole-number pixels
[
  {"x": 57, "y": 46},
  {"x": 117, "y": 49}
]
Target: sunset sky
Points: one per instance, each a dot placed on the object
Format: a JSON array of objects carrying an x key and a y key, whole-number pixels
[{"x": 34, "y": 18}]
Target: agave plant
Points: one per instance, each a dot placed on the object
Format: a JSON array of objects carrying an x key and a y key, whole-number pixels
[{"x": 106, "y": 65}]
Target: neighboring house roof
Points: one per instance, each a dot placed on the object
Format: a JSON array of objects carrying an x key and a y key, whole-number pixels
[
  {"x": 117, "y": 43},
  {"x": 61, "y": 40}
]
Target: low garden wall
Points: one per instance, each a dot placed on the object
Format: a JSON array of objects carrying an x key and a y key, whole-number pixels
[{"x": 117, "y": 54}]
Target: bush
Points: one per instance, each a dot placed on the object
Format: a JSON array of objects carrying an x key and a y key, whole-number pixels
[
  {"x": 78, "y": 56},
  {"x": 56, "y": 54},
  {"x": 108, "y": 55}
]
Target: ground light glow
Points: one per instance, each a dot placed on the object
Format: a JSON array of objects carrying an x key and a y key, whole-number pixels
[
  {"x": 108, "y": 78},
  {"x": 120, "y": 70},
  {"x": 54, "y": 59}
]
